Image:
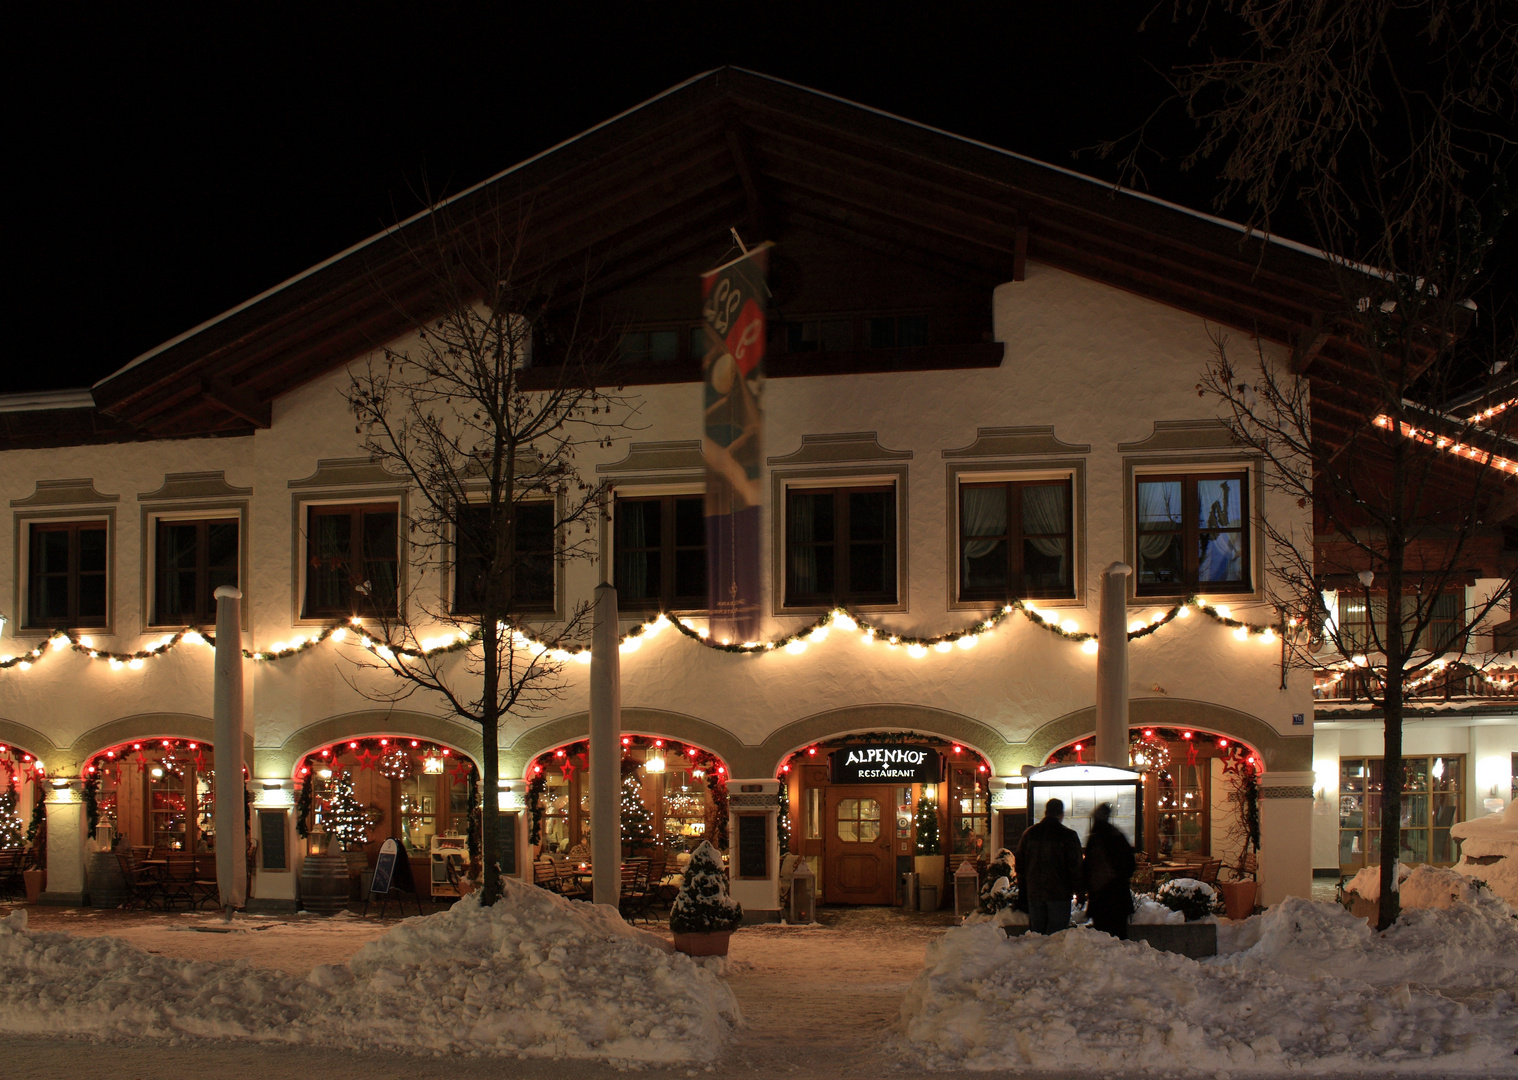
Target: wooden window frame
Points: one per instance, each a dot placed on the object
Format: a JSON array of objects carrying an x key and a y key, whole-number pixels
[
  {"x": 72, "y": 619},
  {"x": 1189, "y": 532},
  {"x": 460, "y": 607},
  {"x": 841, "y": 542},
  {"x": 668, "y": 551},
  {"x": 205, "y": 610},
  {"x": 355, "y": 511},
  {"x": 1453, "y": 644},
  {"x": 1015, "y": 585}
]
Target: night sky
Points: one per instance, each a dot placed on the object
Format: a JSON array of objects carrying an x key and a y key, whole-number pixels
[{"x": 165, "y": 167}]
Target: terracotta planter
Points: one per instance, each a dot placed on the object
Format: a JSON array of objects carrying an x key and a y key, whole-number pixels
[
  {"x": 36, "y": 882},
  {"x": 1238, "y": 898},
  {"x": 711, "y": 943}
]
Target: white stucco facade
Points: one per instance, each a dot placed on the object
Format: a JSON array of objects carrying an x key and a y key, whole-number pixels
[{"x": 1096, "y": 384}]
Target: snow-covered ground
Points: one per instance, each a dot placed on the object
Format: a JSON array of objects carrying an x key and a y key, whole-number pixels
[
  {"x": 1309, "y": 989},
  {"x": 532, "y": 975}
]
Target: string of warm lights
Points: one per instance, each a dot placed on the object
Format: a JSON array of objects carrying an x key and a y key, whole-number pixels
[
  {"x": 1449, "y": 446},
  {"x": 839, "y": 619},
  {"x": 1486, "y": 414}
]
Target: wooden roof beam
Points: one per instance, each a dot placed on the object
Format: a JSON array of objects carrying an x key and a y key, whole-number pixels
[
  {"x": 1310, "y": 344},
  {"x": 238, "y": 402}
]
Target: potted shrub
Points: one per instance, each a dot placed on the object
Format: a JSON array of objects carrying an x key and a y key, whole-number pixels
[
  {"x": 1239, "y": 894},
  {"x": 1192, "y": 898},
  {"x": 704, "y": 917}
]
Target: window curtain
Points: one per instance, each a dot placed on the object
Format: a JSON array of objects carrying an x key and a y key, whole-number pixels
[
  {"x": 1044, "y": 512},
  {"x": 1159, "y": 505},
  {"x": 1219, "y": 505},
  {"x": 177, "y": 552},
  {"x": 803, "y": 555},
  {"x": 634, "y": 563},
  {"x": 985, "y": 511}
]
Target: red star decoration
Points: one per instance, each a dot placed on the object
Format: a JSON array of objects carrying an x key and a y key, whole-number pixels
[
  {"x": 1191, "y": 753},
  {"x": 459, "y": 772},
  {"x": 365, "y": 759},
  {"x": 142, "y": 762},
  {"x": 567, "y": 769},
  {"x": 200, "y": 761}
]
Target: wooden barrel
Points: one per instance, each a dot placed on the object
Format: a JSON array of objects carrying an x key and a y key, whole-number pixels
[
  {"x": 104, "y": 881},
  {"x": 324, "y": 883}
]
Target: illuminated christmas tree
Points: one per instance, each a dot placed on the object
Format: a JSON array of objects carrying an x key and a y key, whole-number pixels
[
  {"x": 12, "y": 828},
  {"x": 927, "y": 827},
  {"x": 637, "y": 822},
  {"x": 346, "y": 818}
]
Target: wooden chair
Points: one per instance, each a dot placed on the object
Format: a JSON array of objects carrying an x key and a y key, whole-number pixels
[
  {"x": 1247, "y": 870},
  {"x": 569, "y": 886},
  {"x": 634, "y": 897},
  {"x": 179, "y": 879},
  {"x": 10, "y": 873},
  {"x": 143, "y": 884},
  {"x": 1208, "y": 872},
  {"x": 204, "y": 885},
  {"x": 545, "y": 875}
]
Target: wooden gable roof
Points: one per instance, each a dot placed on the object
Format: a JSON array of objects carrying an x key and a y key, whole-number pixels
[{"x": 732, "y": 147}]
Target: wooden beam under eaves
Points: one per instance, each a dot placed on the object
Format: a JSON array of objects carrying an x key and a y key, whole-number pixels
[
  {"x": 1020, "y": 249},
  {"x": 1310, "y": 344},
  {"x": 237, "y": 402}
]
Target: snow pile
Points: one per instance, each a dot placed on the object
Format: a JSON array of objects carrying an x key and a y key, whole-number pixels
[
  {"x": 1489, "y": 851},
  {"x": 531, "y": 975},
  {"x": 1148, "y": 912},
  {"x": 1318, "y": 992},
  {"x": 1367, "y": 881}
]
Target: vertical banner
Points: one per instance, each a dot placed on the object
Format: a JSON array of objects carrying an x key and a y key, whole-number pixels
[{"x": 733, "y": 302}]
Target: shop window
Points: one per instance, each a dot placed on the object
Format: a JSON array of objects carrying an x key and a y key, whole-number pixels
[
  {"x": 1181, "y": 808},
  {"x": 532, "y": 580},
  {"x": 840, "y": 546},
  {"x": 1365, "y": 628},
  {"x": 192, "y": 559},
  {"x": 661, "y": 553},
  {"x": 858, "y": 821},
  {"x": 66, "y": 574},
  {"x": 1431, "y": 794},
  {"x": 969, "y": 811},
  {"x": 352, "y": 560},
  {"x": 1015, "y": 540},
  {"x": 1192, "y": 533},
  {"x": 684, "y": 807},
  {"x": 158, "y": 794},
  {"x": 663, "y": 346}
]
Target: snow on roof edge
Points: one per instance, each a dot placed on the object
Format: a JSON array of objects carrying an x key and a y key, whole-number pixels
[{"x": 38, "y": 400}]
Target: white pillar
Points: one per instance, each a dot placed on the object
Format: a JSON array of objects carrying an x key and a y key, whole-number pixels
[
  {"x": 66, "y": 836},
  {"x": 605, "y": 751},
  {"x": 1111, "y": 743},
  {"x": 227, "y": 713},
  {"x": 1285, "y": 836}
]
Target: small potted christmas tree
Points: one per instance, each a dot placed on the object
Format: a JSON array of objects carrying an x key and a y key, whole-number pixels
[{"x": 704, "y": 916}]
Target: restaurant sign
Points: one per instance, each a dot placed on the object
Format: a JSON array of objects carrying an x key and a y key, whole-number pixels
[{"x": 894, "y": 763}]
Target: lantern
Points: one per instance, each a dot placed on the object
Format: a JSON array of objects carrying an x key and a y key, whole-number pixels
[
  {"x": 316, "y": 843},
  {"x": 966, "y": 889},
  {"x": 803, "y": 895}
]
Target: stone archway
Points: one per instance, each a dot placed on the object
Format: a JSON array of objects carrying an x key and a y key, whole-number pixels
[
  {"x": 516, "y": 758},
  {"x": 281, "y": 761},
  {"x": 1281, "y": 753},
  {"x": 32, "y": 742},
  {"x": 141, "y": 727},
  {"x": 766, "y": 759}
]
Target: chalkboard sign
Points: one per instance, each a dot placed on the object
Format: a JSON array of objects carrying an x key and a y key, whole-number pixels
[
  {"x": 271, "y": 840},
  {"x": 506, "y": 843},
  {"x": 385, "y": 867},
  {"x": 754, "y": 845}
]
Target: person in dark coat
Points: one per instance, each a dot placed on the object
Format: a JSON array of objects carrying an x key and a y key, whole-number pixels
[
  {"x": 1108, "y": 871},
  {"x": 1049, "y": 868}
]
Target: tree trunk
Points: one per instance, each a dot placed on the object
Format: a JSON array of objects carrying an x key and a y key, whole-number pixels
[
  {"x": 1391, "y": 774},
  {"x": 490, "y": 767}
]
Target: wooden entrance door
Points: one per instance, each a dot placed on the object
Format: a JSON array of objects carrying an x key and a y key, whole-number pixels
[{"x": 856, "y": 844}]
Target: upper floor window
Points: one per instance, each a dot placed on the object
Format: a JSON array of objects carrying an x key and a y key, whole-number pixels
[
  {"x": 192, "y": 559},
  {"x": 1364, "y": 630},
  {"x": 66, "y": 566},
  {"x": 841, "y": 333},
  {"x": 667, "y": 345},
  {"x": 840, "y": 546},
  {"x": 352, "y": 560},
  {"x": 532, "y": 576},
  {"x": 1015, "y": 540},
  {"x": 661, "y": 552},
  {"x": 1192, "y": 533}
]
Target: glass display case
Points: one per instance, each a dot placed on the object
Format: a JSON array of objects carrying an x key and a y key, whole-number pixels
[{"x": 1085, "y": 787}]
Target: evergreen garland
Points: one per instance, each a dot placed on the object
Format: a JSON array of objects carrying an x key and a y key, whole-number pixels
[
  {"x": 303, "y": 803},
  {"x": 92, "y": 801},
  {"x": 346, "y": 819},
  {"x": 38, "y": 828},
  {"x": 535, "y": 808},
  {"x": 477, "y": 821},
  {"x": 927, "y": 828},
  {"x": 703, "y": 906},
  {"x": 783, "y": 819}
]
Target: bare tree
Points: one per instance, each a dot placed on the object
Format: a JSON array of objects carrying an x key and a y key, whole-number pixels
[
  {"x": 488, "y": 435},
  {"x": 1383, "y": 129}
]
